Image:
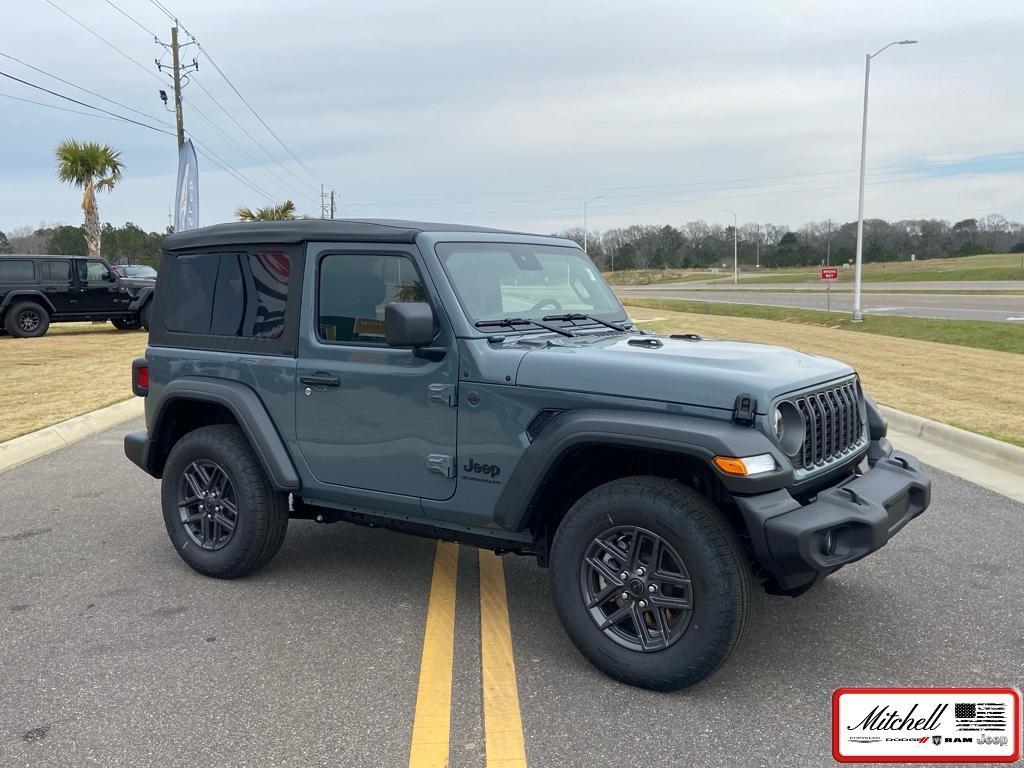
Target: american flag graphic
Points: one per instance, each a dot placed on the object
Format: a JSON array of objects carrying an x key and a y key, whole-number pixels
[{"x": 980, "y": 716}]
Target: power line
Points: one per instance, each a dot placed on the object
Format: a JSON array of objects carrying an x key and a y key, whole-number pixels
[
  {"x": 54, "y": 106},
  {"x": 170, "y": 15},
  {"x": 132, "y": 19},
  {"x": 81, "y": 103},
  {"x": 226, "y": 166},
  {"x": 202, "y": 87},
  {"x": 107, "y": 115},
  {"x": 100, "y": 37},
  {"x": 81, "y": 88}
]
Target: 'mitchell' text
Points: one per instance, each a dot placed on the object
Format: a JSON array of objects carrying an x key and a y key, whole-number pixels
[{"x": 885, "y": 719}]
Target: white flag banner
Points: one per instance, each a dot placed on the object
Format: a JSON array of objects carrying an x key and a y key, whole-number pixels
[{"x": 186, "y": 208}]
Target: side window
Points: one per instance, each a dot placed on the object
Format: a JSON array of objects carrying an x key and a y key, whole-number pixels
[
  {"x": 56, "y": 270},
  {"x": 92, "y": 271},
  {"x": 189, "y": 304},
  {"x": 228, "y": 294},
  {"x": 251, "y": 295},
  {"x": 353, "y": 290},
  {"x": 17, "y": 271}
]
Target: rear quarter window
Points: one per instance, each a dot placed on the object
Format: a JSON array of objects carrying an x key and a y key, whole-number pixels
[
  {"x": 241, "y": 295},
  {"x": 17, "y": 271}
]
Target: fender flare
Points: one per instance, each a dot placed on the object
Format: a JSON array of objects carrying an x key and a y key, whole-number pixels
[
  {"x": 37, "y": 296},
  {"x": 251, "y": 415},
  {"x": 692, "y": 436},
  {"x": 144, "y": 295}
]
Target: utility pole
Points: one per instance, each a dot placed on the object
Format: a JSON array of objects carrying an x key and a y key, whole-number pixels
[
  {"x": 757, "y": 249},
  {"x": 828, "y": 247},
  {"x": 735, "y": 251},
  {"x": 177, "y": 70},
  {"x": 332, "y": 204},
  {"x": 176, "y": 63}
]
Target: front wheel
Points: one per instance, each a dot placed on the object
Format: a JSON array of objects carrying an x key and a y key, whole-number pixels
[
  {"x": 221, "y": 513},
  {"x": 650, "y": 582},
  {"x": 126, "y": 323}
]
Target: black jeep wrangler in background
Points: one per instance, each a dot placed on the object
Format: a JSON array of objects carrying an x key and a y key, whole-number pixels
[{"x": 38, "y": 290}]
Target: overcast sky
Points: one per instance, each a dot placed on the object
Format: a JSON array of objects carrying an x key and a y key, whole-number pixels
[{"x": 513, "y": 114}]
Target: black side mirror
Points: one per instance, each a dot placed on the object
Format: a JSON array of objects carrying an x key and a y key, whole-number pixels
[
  {"x": 408, "y": 324},
  {"x": 112, "y": 276}
]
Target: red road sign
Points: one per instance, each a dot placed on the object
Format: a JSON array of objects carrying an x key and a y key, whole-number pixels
[{"x": 829, "y": 273}]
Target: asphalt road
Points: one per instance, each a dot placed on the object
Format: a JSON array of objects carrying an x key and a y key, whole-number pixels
[
  {"x": 114, "y": 653},
  {"x": 1000, "y": 308}
]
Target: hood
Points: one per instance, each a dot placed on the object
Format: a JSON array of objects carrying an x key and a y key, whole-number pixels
[{"x": 708, "y": 372}]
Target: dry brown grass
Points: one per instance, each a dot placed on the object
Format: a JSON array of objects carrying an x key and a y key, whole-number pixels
[
  {"x": 75, "y": 368},
  {"x": 975, "y": 389}
]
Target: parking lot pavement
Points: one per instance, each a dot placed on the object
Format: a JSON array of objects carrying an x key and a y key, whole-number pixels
[{"x": 113, "y": 652}]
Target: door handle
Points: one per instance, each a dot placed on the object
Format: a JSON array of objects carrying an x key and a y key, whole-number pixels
[{"x": 320, "y": 380}]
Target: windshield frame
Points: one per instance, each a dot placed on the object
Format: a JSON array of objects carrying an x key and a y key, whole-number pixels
[{"x": 444, "y": 249}]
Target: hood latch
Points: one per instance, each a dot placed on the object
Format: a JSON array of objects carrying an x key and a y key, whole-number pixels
[{"x": 745, "y": 409}]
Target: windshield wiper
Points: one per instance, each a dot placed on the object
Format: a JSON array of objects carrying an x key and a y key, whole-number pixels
[
  {"x": 509, "y": 322},
  {"x": 581, "y": 316}
]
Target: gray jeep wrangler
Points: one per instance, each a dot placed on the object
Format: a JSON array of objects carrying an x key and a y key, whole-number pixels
[{"x": 487, "y": 387}]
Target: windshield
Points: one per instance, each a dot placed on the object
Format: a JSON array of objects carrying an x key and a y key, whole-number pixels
[
  {"x": 140, "y": 270},
  {"x": 498, "y": 280}
]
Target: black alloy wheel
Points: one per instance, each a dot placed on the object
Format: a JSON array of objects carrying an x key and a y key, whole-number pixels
[
  {"x": 28, "y": 320},
  {"x": 207, "y": 505},
  {"x": 636, "y": 588}
]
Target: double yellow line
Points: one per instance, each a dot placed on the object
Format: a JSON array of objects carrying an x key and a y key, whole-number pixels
[{"x": 503, "y": 728}]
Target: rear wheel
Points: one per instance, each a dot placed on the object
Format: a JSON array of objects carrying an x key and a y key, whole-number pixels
[
  {"x": 27, "y": 320},
  {"x": 127, "y": 323},
  {"x": 220, "y": 511},
  {"x": 650, "y": 582}
]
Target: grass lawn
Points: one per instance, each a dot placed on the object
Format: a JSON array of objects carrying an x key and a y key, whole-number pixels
[
  {"x": 999, "y": 266},
  {"x": 974, "y": 389},
  {"x": 649, "y": 276},
  {"x": 73, "y": 369},
  {"x": 981, "y": 334}
]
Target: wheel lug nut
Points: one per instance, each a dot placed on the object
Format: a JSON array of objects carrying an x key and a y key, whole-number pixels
[
  {"x": 652, "y": 589},
  {"x": 625, "y": 595},
  {"x": 641, "y": 571},
  {"x": 643, "y": 603},
  {"x": 624, "y": 575}
]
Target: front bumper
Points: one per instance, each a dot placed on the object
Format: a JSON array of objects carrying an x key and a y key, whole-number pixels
[{"x": 797, "y": 543}]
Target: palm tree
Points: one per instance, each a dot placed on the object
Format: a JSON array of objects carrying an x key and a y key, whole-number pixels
[
  {"x": 89, "y": 166},
  {"x": 283, "y": 212}
]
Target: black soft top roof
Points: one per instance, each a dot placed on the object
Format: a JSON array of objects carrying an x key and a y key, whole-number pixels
[{"x": 302, "y": 230}]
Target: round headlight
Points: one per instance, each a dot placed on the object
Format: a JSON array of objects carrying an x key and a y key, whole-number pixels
[{"x": 788, "y": 425}]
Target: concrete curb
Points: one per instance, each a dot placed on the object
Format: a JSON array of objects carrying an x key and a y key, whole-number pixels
[
  {"x": 53, "y": 438},
  {"x": 1004, "y": 455}
]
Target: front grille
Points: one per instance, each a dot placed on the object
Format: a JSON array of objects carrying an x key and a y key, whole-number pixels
[{"x": 834, "y": 427}]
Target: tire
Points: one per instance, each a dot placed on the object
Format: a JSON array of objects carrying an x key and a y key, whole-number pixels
[
  {"x": 260, "y": 513},
  {"x": 144, "y": 315},
  {"x": 27, "y": 320},
  {"x": 127, "y": 323},
  {"x": 680, "y": 646}
]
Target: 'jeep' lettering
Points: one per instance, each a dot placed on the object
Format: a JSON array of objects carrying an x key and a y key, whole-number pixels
[{"x": 491, "y": 470}]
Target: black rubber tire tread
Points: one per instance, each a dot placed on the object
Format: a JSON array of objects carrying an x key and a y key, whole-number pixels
[
  {"x": 713, "y": 555},
  {"x": 10, "y": 320},
  {"x": 262, "y": 511},
  {"x": 145, "y": 314},
  {"x": 126, "y": 324}
]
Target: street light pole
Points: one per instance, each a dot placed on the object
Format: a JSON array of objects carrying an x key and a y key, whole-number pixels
[
  {"x": 858, "y": 316},
  {"x": 735, "y": 259},
  {"x": 585, "y": 203}
]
